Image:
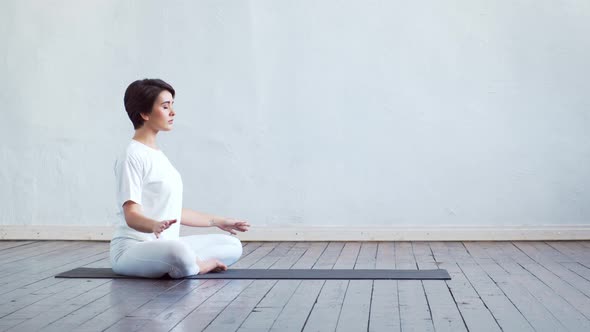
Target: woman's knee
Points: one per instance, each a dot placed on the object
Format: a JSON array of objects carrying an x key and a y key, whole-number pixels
[
  {"x": 182, "y": 258},
  {"x": 235, "y": 243},
  {"x": 239, "y": 249},
  {"x": 177, "y": 250},
  {"x": 233, "y": 240},
  {"x": 233, "y": 249}
]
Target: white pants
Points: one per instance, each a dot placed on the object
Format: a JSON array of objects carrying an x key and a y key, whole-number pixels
[{"x": 178, "y": 258}]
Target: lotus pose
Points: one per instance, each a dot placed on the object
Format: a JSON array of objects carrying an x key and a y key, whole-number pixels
[{"x": 146, "y": 242}]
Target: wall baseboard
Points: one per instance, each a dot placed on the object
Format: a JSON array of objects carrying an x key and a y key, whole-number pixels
[{"x": 326, "y": 233}]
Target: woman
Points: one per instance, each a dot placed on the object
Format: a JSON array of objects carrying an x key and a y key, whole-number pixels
[{"x": 146, "y": 242}]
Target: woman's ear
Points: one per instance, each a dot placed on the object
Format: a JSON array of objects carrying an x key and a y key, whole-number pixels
[{"x": 144, "y": 116}]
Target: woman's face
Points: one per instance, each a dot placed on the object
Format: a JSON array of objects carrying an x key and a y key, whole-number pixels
[{"x": 162, "y": 116}]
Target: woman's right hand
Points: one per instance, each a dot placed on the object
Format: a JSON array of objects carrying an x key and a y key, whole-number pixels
[{"x": 161, "y": 226}]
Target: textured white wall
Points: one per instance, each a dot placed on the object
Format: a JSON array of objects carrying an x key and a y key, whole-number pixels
[{"x": 305, "y": 112}]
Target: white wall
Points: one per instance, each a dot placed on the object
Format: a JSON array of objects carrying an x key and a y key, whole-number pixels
[{"x": 299, "y": 113}]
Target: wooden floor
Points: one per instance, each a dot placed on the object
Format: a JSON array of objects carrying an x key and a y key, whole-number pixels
[{"x": 495, "y": 286}]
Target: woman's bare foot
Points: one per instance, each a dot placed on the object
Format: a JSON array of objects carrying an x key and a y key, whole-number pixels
[{"x": 210, "y": 265}]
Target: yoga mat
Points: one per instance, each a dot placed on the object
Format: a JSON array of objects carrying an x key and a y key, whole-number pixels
[{"x": 278, "y": 274}]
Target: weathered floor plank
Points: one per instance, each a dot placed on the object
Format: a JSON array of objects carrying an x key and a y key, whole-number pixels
[
  {"x": 294, "y": 312},
  {"x": 385, "y": 311},
  {"x": 445, "y": 312},
  {"x": 539, "y": 317},
  {"x": 4, "y": 245},
  {"x": 502, "y": 308},
  {"x": 325, "y": 312},
  {"x": 475, "y": 313},
  {"x": 539, "y": 287},
  {"x": 415, "y": 313},
  {"x": 355, "y": 312},
  {"x": 262, "y": 317},
  {"x": 232, "y": 317}
]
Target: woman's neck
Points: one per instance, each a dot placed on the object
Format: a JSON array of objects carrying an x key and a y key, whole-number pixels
[{"x": 146, "y": 137}]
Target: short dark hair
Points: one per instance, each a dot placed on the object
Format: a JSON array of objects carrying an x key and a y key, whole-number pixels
[{"x": 140, "y": 97}]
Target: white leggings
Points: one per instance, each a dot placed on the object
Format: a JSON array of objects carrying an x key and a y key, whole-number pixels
[{"x": 177, "y": 258}]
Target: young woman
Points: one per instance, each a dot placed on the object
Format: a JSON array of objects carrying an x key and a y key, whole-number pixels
[{"x": 146, "y": 242}]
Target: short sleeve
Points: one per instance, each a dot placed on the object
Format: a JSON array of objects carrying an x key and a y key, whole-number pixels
[{"x": 129, "y": 174}]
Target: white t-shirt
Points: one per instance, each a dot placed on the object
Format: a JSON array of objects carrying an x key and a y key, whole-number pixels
[{"x": 146, "y": 176}]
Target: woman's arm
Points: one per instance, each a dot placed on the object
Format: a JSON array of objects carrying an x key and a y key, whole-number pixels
[
  {"x": 136, "y": 220},
  {"x": 198, "y": 219}
]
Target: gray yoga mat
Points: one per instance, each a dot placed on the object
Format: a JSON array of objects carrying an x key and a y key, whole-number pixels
[{"x": 277, "y": 274}]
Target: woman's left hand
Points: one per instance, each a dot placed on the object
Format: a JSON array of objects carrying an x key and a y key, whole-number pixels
[{"x": 232, "y": 225}]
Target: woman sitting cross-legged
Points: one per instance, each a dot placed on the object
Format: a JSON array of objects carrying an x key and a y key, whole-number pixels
[{"x": 146, "y": 242}]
